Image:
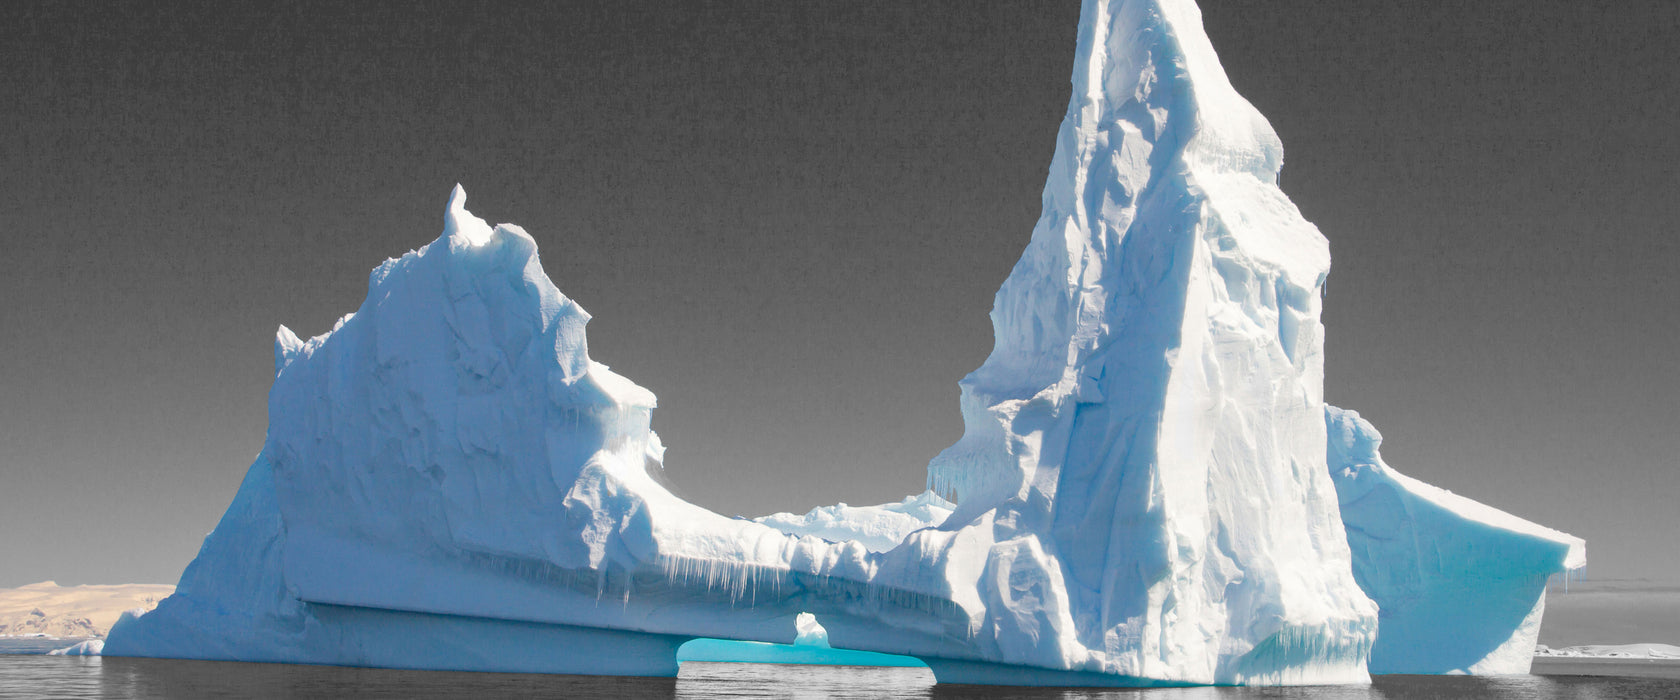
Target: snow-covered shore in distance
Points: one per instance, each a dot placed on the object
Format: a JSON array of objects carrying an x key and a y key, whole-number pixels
[{"x": 1612, "y": 651}]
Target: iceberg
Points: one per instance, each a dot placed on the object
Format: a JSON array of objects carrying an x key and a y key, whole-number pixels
[{"x": 1142, "y": 494}]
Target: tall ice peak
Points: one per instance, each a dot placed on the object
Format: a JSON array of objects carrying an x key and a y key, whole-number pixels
[
  {"x": 457, "y": 221},
  {"x": 286, "y": 346}
]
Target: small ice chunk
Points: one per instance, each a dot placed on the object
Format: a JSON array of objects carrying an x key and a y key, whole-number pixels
[{"x": 91, "y": 647}]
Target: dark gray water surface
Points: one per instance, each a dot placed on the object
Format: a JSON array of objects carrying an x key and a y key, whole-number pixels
[{"x": 35, "y": 676}]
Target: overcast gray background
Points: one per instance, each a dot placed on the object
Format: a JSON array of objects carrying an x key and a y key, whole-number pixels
[{"x": 789, "y": 219}]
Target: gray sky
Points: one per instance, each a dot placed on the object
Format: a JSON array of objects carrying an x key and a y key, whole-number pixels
[{"x": 788, "y": 220}]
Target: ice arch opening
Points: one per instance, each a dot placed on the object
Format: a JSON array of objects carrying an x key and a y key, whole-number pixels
[{"x": 810, "y": 646}]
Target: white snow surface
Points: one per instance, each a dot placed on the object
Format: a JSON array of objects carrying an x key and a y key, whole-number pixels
[
  {"x": 1142, "y": 494},
  {"x": 1461, "y": 586},
  {"x": 1612, "y": 651},
  {"x": 877, "y": 528}
]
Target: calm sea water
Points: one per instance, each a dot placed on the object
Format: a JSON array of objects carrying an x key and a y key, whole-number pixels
[{"x": 36, "y": 676}]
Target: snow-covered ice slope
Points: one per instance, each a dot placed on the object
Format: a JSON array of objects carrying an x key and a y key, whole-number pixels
[{"x": 1461, "y": 586}]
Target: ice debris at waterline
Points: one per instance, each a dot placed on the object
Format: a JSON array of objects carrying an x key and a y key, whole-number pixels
[
  {"x": 90, "y": 647},
  {"x": 1141, "y": 495}
]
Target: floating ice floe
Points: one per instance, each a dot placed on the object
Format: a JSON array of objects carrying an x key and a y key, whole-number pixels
[{"x": 91, "y": 647}]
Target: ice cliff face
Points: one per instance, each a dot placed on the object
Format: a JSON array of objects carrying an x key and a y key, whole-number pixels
[
  {"x": 1143, "y": 497},
  {"x": 1461, "y": 586}
]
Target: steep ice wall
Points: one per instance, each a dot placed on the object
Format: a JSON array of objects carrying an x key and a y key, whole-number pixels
[{"x": 1460, "y": 586}]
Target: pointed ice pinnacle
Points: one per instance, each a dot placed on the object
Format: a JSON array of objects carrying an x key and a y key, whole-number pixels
[
  {"x": 457, "y": 221},
  {"x": 286, "y": 347}
]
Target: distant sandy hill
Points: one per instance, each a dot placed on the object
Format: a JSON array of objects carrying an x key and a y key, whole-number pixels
[{"x": 49, "y": 609}]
